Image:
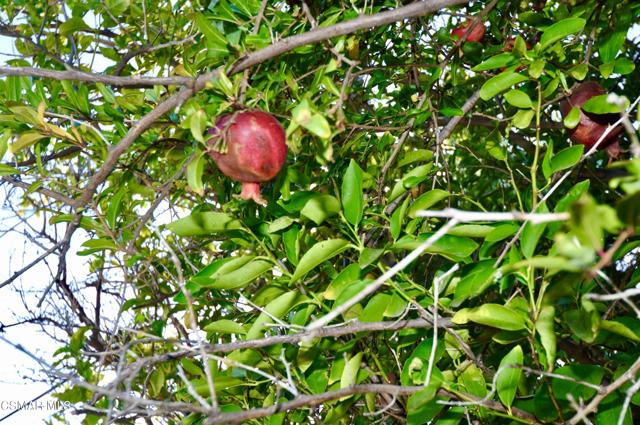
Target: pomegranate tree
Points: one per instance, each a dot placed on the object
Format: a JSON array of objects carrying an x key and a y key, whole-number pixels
[{"x": 248, "y": 146}]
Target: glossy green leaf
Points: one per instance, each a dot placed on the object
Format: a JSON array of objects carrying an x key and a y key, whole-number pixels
[
  {"x": 318, "y": 253},
  {"x": 204, "y": 223},
  {"x": 518, "y": 98},
  {"x": 352, "y": 201},
  {"x": 600, "y": 105},
  {"x": 25, "y": 141},
  {"x": 320, "y": 208},
  {"x": 6, "y": 170},
  {"x": 509, "y": 376},
  {"x": 426, "y": 201},
  {"x": 545, "y": 328},
  {"x": 572, "y": 119},
  {"x": 350, "y": 371},
  {"x": 215, "y": 39},
  {"x": 494, "y": 315},
  {"x": 276, "y": 308},
  {"x": 195, "y": 170},
  {"x": 238, "y": 278},
  {"x": 609, "y": 49},
  {"x": 225, "y": 326},
  {"x": 560, "y": 30},
  {"x": 579, "y": 72},
  {"x": 500, "y": 60},
  {"x": 522, "y": 118},
  {"x": 500, "y": 83},
  {"x": 449, "y": 246},
  {"x": 475, "y": 281},
  {"x": 566, "y": 158}
]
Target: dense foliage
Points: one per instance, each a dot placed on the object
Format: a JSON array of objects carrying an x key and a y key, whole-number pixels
[{"x": 304, "y": 309}]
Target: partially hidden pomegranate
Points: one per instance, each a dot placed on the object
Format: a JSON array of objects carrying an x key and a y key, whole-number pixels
[
  {"x": 476, "y": 34},
  {"x": 255, "y": 149},
  {"x": 591, "y": 126}
]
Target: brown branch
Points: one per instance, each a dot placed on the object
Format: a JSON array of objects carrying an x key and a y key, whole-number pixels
[
  {"x": 73, "y": 75},
  {"x": 43, "y": 191},
  {"x": 413, "y": 10},
  {"x": 327, "y": 332},
  {"x": 148, "y": 49}
]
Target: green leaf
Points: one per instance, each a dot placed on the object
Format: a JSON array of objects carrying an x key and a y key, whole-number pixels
[
  {"x": 563, "y": 388},
  {"x": 606, "y": 69},
  {"x": 600, "y": 105},
  {"x": 420, "y": 405},
  {"x": 368, "y": 256},
  {"x": 195, "y": 169},
  {"x": 414, "y": 370},
  {"x": 375, "y": 309},
  {"x": 115, "y": 206},
  {"x": 566, "y": 158},
  {"x": 25, "y": 140},
  {"x": 471, "y": 230},
  {"x": 572, "y": 119},
  {"x": 609, "y": 49},
  {"x": 545, "y": 328},
  {"x": 518, "y": 98},
  {"x": 422, "y": 155},
  {"x": 494, "y": 315},
  {"x": 619, "y": 329},
  {"x": 350, "y": 371},
  {"x": 508, "y": 377},
  {"x": 72, "y": 25},
  {"x": 560, "y": 30},
  {"x": 197, "y": 124},
  {"x": 352, "y": 201},
  {"x": 453, "y": 247},
  {"x": 501, "y": 60},
  {"x": 583, "y": 324},
  {"x": 96, "y": 245},
  {"x": 4, "y": 142},
  {"x": 397, "y": 218},
  {"x": 238, "y": 278},
  {"x": 500, "y": 83},
  {"x": 215, "y": 39},
  {"x": 522, "y": 118},
  {"x": 624, "y": 66},
  {"x": 319, "y": 208},
  {"x": 204, "y": 223},
  {"x": 531, "y": 235},
  {"x": 475, "y": 281},
  {"x": 225, "y": 326},
  {"x": 536, "y": 68},
  {"x": 86, "y": 223},
  {"x": 6, "y": 170},
  {"x": 318, "y": 253},
  {"x": 276, "y": 308},
  {"x": 427, "y": 200},
  {"x": 305, "y": 116},
  {"x": 579, "y": 72}
]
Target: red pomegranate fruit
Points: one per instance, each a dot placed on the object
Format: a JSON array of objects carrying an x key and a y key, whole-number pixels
[
  {"x": 476, "y": 34},
  {"x": 591, "y": 126},
  {"x": 255, "y": 149}
]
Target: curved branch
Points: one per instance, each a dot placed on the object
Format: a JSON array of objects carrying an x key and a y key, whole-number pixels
[{"x": 133, "y": 81}]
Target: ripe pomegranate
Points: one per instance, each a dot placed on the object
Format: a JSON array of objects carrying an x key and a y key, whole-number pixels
[
  {"x": 255, "y": 149},
  {"x": 476, "y": 34},
  {"x": 591, "y": 126}
]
